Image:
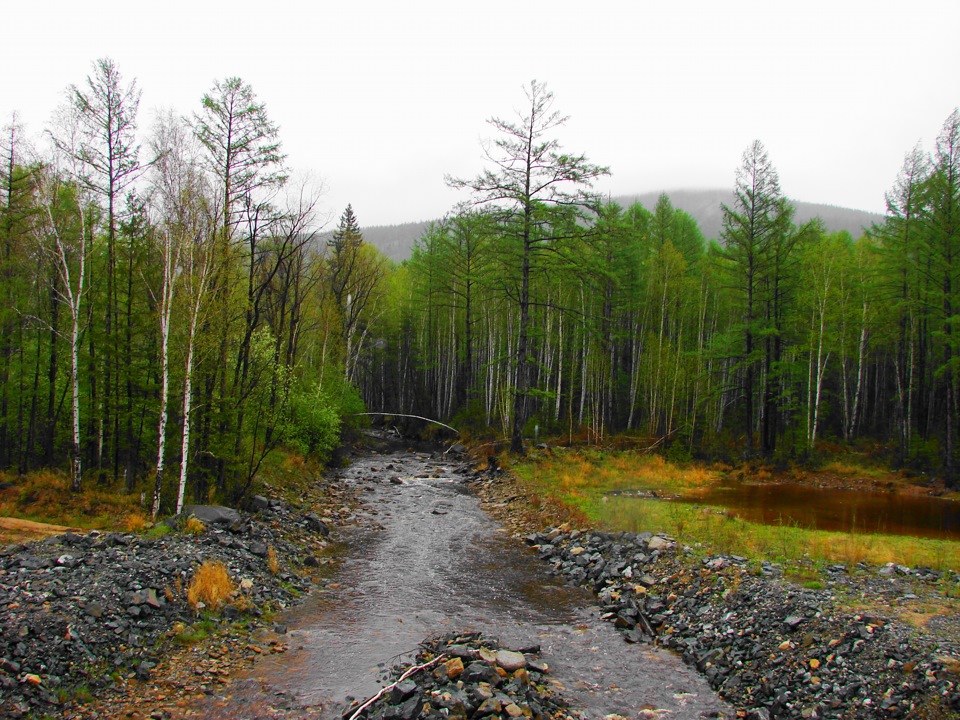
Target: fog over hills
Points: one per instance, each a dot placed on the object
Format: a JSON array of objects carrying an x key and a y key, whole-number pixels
[{"x": 396, "y": 241}]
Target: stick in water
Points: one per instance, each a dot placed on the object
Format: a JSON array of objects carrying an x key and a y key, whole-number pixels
[{"x": 388, "y": 688}]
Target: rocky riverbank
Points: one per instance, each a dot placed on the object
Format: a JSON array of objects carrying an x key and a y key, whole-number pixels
[
  {"x": 770, "y": 646},
  {"x": 85, "y": 616},
  {"x": 98, "y": 625}
]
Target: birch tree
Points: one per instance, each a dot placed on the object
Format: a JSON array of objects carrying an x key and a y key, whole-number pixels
[
  {"x": 107, "y": 158},
  {"x": 65, "y": 240}
]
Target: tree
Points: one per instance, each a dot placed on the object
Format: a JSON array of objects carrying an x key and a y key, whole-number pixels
[
  {"x": 66, "y": 241},
  {"x": 756, "y": 231},
  {"x": 243, "y": 157},
  {"x": 354, "y": 276},
  {"x": 242, "y": 146},
  {"x": 108, "y": 163},
  {"x": 902, "y": 279},
  {"x": 18, "y": 218},
  {"x": 943, "y": 241},
  {"x": 528, "y": 176}
]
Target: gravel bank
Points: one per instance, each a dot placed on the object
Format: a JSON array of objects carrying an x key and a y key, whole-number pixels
[
  {"x": 769, "y": 646},
  {"x": 84, "y": 615}
]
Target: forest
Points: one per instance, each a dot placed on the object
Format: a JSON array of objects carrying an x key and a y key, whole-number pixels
[{"x": 171, "y": 313}]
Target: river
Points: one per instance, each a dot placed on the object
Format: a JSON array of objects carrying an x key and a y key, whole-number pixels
[{"x": 423, "y": 559}]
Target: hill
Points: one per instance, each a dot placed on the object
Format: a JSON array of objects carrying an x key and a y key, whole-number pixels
[
  {"x": 396, "y": 241},
  {"x": 705, "y": 207}
]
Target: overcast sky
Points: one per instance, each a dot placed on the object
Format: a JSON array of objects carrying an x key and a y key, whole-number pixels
[{"x": 380, "y": 99}]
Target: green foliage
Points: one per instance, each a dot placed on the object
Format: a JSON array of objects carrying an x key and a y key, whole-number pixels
[{"x": 313, "y": 423}]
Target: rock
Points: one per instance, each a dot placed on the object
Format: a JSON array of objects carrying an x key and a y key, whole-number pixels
[
  {"x": 402, "y": 691},
  {"x": 316, "y": 524},
  {"x": 792, "y": 622},
  {"x": 211, "y": 514},
  {"x": 510, "y": 661},
  {"x": 659, "y": 543},
  {"x": 94, "y": 609},
  {"x": 454, "y": 668}
]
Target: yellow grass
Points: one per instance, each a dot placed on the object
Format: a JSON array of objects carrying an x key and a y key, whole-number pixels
[
  {"x": 194, "y": 526},
  {"x": 273, "y": 564},
  {"x": 135, "y": 522},
  {"x": 582, "y": 471},
  {"x": 45, "y": 496},
  {"x": 211, "y": 585}
]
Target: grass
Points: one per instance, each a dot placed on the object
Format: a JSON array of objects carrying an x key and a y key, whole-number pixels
[
  {"x": 45, "y": 497},
  {"x": 273, "y": 563},
  {"x": 194, "y": 526},
  {"x": 211, "y": 585},
  {"x": 192, "y": 634},
  {"x": 585, "y": 481}
]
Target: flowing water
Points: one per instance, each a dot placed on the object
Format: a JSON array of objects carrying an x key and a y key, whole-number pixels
[{"x": 424, "y": 559}]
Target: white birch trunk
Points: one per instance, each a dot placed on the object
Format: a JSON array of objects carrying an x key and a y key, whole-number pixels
[{"x": 166, "y": 308}]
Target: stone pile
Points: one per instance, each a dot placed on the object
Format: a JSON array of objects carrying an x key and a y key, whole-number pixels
[
  {"x": 767, "y": 646},
  {"x": 86, "y": 609},
  {"x": 468, "y": 675}
]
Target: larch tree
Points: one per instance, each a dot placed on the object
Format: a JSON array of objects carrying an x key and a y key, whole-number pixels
[
  {"x": 901, "y": 281},
  {"x": 243, "y": 157},
  {"x": 528, "y": 175},
  {"x": 754, "y": 231},
  {"x": 943, "y": 241}
]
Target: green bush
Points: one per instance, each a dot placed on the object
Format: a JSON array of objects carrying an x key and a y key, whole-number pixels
[{"x": 313, "y": 423}]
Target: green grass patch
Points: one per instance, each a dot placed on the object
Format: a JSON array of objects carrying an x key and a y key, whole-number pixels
[
  {"x": 585, "y": 481},
  {"x": 192, "y": 634}
]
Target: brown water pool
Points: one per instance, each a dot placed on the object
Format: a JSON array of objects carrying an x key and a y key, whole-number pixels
[{"x": 833, "y": 509}]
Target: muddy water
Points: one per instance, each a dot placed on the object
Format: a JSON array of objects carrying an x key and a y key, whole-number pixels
[
  {"x": 832, "y": 509},
  {"x": 424, "y": 559}
]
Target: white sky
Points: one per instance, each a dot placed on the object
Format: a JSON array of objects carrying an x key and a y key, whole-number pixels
[{"x": 381, "y": 98}]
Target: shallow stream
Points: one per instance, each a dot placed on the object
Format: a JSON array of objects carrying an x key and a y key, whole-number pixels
[{"x": 425, "y": 559}]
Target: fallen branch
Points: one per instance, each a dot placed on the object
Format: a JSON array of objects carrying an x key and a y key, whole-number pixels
[
  {"x": 410, "y": 671},
  {"x": 417, "y": 417}
]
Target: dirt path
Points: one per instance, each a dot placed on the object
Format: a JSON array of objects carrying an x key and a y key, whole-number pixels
[
  {"x": 16, "y": 530},
  {"x": 426, "y": 559}
]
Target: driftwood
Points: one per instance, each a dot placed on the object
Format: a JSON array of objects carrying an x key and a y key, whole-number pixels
[{"x": 410, "y": 671}]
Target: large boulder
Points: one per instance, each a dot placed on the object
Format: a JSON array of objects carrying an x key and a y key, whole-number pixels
[{"x": 212, "y": 514}]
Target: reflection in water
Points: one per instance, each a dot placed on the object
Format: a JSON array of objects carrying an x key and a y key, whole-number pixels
[{"x": 845, "y": 510}]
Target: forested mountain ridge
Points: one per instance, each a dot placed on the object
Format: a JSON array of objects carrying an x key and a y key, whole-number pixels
[{"x": 704, "y": 206}]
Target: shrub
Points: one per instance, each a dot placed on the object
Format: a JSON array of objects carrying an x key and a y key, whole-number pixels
[
  {"x": 273, "y": 564},
  {"x": 313, "y": 423}
]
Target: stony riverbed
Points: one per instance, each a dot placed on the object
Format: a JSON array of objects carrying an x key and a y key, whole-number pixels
[{"x": 98, "y": 612}]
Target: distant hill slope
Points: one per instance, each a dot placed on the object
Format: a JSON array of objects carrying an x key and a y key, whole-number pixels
[
  {"x": 396, "y": 241},
  {"x": 705, "y": 207}
]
